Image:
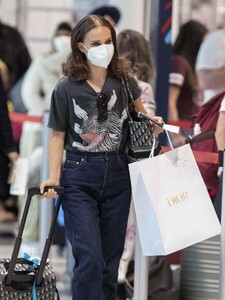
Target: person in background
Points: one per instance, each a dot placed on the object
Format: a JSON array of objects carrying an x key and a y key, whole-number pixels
[
  {"x": 38, "y": 84},
  {"x": 45, "y": 71},
  {"x": 110, "y": 13},
  {"x": 185, "y": 96},
  {"x": 133, "y": 46},
  {"x": 88, "y": 118},
  {"x": 183, "y": 84},
  {"x": 8, "y": 154},
  {"x": 137, "y": 50},
  {"x": 210, "y": 65},
  {"x": 14, "y": 54},
  {"x": 220, "y": 142}
]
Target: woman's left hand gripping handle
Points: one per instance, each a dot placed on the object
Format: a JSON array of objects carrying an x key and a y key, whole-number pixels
[{"x": 48, "y": 189}]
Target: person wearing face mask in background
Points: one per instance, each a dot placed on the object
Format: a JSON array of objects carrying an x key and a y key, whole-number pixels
[
  {"x": 88, "y": 118},
  {"x": 45, "y": 71},
  {"x": 38, "y": 84}
]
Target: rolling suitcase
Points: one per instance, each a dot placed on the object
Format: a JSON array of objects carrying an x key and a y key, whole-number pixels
[{"x": 29, "y": 278}]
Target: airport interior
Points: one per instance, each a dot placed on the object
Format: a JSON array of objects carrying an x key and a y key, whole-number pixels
[{"x": 195, "y": 272}]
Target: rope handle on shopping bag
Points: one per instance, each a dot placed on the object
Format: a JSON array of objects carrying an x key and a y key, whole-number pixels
[{"x": 31, "y": 192}]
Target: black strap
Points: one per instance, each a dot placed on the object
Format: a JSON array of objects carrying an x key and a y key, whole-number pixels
[
  {"x": 129, "y": 96},
  {"x": 131, "y": 111}
]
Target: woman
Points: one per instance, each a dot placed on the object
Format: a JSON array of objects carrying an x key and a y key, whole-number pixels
[
  {"x": 184, "y": 95},
  {"x": 136, "y": 49},
  {"x": 89, "y": 120}
]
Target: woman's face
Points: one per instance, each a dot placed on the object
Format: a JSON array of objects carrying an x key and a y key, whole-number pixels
[{"x": 97, "y": 36}]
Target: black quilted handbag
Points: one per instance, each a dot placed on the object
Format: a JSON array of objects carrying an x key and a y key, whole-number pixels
[
  {"x": 24, "y": 279},
  {"x": 142, "y": 141}
]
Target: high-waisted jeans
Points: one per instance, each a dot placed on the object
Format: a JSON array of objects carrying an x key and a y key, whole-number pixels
[{"x": 96, "y": 207}]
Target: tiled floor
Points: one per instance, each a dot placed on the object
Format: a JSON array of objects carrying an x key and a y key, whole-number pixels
[{"x": 57, "y": 261}]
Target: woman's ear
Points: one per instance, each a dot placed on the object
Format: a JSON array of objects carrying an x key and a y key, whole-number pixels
[{"x": 81, "y": 47}]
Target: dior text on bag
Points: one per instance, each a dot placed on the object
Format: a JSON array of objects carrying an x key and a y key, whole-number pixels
[
  {"x": 29, "y": 278},
  {"x": 141, "y": 139}
]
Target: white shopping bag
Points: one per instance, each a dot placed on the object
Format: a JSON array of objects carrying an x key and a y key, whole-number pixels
[
  {"x": 172, "y": 205},
  {"x": 19, "y": 176}
]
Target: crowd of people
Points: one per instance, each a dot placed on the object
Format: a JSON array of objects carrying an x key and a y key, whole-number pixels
[{"x": 80, "y": 82}]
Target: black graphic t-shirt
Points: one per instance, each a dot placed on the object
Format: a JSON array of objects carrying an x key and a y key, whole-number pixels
[{"x": 74, "y": 110}]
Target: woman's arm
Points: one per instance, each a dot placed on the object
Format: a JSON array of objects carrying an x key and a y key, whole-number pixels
[
  {"x": 211, "y": 79},
  {"x": 55, "y": 153},
  {"x": 220, "y": 131},
  {"x": 174, "y": 92},
  {"x": 147, "y": 98}
]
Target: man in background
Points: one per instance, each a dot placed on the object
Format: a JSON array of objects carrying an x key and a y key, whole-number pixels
[
  {"x": 110, "y": 13},
  {"x": 210, "y": 64}
]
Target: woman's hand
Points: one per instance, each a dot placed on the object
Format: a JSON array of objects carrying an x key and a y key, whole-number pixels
[
  {"x": 140, "y": 108},
  {"x": 51, "y": 193},
  {"x": 157, "y": 129},
  {"x": 13, "y": 156}
]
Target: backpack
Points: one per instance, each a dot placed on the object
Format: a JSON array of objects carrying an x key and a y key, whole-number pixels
[{"x": 207, "y": 117}]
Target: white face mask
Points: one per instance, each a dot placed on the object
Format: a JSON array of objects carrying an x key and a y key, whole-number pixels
[
  {"x": 62, "y": 43},
  {"x": 100, "y": 55}
]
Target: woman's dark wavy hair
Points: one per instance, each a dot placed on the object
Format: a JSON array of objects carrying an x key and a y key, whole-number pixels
[
  {"x": 136, "y": 49},
  {"x": 187, "y": 44},
  {"x": 189, "y": 40},
  {"x": 76, "y": 65}
]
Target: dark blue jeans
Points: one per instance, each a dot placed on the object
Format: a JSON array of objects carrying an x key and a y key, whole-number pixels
[{"x": 96, "y": 207}]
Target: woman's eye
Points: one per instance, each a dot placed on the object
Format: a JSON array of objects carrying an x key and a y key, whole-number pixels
[
  {"x": 95, "y": 44},
  {"x": 108, "y": 42}
]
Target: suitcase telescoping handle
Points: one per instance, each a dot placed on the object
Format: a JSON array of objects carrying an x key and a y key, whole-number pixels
[{"x": 31, "y": 192}]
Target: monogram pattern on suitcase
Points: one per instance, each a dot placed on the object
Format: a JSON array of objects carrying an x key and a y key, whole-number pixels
[{"x": 47, "y": 290}]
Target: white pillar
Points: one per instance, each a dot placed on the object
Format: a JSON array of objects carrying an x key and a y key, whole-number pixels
[
  {"x": 140, "y": 272},
  {"x": 46, "y": 207}
]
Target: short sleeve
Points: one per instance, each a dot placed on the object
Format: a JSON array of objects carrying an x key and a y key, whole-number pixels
[
  {"x": 58, "y": 115},
  {"x": 211, "y": 54},
  {"x": 178, "y": 70}
]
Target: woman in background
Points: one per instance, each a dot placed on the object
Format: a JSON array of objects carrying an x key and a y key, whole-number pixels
[
  {"x": 137, "y": 50},
  {"x": 184, "y": 94}
]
